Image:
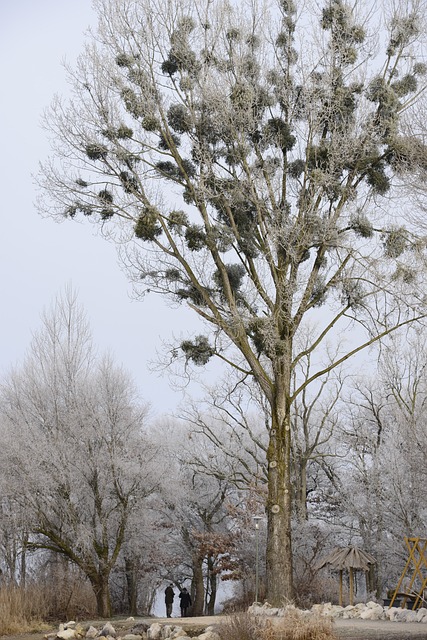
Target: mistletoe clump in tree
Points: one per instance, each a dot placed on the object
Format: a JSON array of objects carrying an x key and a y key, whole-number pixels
[{"x": 257, "y": 162}]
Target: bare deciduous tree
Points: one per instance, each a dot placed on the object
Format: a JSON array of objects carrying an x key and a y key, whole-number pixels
[
  {"x": 197, "y": 514},
  {"x": 73, "y": 447},
  {"x": 255, "y": 160}
]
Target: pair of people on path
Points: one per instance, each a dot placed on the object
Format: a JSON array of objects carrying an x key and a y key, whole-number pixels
[{"x": 185, "y": 601}]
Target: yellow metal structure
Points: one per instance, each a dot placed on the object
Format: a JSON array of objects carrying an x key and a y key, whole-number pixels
[{"x": 415, "y": 567}]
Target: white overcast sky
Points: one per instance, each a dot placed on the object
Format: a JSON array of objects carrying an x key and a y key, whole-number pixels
[{"x": 39, "y": 257}]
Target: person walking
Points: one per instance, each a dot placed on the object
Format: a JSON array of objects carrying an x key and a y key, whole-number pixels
[
  {"x": 185, "y": 598},
  {"x": 169, "y": 596}
]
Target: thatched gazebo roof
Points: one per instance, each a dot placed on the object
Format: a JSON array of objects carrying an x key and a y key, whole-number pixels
[{"x": 348, "y": 558}]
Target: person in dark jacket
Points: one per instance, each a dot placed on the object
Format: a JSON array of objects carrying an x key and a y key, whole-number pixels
[
  {"x": 169, "y": 596},
  {"x": 185, "y": 598}
]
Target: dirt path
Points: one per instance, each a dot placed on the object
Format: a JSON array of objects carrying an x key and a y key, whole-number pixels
[
  {"x": 345, "y": 629},
  {"x": 380, "y": 630}
]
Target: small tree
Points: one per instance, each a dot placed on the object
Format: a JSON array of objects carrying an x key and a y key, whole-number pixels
[{"x": 259, "y": 171}]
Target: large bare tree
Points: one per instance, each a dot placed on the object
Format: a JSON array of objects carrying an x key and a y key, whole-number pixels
[{"x": 264, "y": 166}]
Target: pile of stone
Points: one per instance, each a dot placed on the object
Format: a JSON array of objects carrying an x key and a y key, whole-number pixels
[
  {"x": 129, "y": 631},
  {"x": 368, "y": 611}
]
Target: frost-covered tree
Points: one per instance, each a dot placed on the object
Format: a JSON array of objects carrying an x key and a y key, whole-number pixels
[
  {"x": 197, "y": 514},
  {"x": 73, "y": 449},
  {"x": 384, "y": 428},
  {"x": 137, "y": 574},
  {"x": 404, "y": 381},
  {"x": 264, "y": 165},
  {"x": 362, "y": 497}
]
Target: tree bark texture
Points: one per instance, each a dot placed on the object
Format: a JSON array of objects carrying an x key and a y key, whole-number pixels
[
  {"x": 279, "y": 583},
  {"x": 211, "y": 591},
  {"x": 101, "y": 588},
  {"x": 197, "y": 586},
  {"x": 132, "y": 586}
]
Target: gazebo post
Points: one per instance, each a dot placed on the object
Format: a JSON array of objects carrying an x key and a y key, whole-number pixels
[{"x": 351, "y": 586}]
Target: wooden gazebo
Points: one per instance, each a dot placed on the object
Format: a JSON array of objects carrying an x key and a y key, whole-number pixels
[{"x": 348, "y": 559}]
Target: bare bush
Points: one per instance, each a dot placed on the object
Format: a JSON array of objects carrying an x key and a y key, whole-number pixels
[
  {"x": 313, "y": 588},
  {"x": 72, "y": 598},
  {"x": 240, "y": 627}
]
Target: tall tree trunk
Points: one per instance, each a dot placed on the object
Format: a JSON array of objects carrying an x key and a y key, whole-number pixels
[
  {"x": 279, "y": 582},
  {"x": 102, "y": 594},
  {"x": 302, "y": 498},
  {"x": 148, "y": 601},
  {"x": 11, "y": 555},
  {"x": 212, "y": 584},
  {"x": 197, "y": 586},
  {"x": 23, "y": 570},
  {"x": 371, "y": 581},
  {"x": 132, "y": 585}
]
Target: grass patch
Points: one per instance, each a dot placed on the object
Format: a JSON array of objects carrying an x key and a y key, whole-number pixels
[
  {"x": 40, "y": 605},
  {"x": 22, "y": 610},
  {"x": 294, "y": 626}
]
